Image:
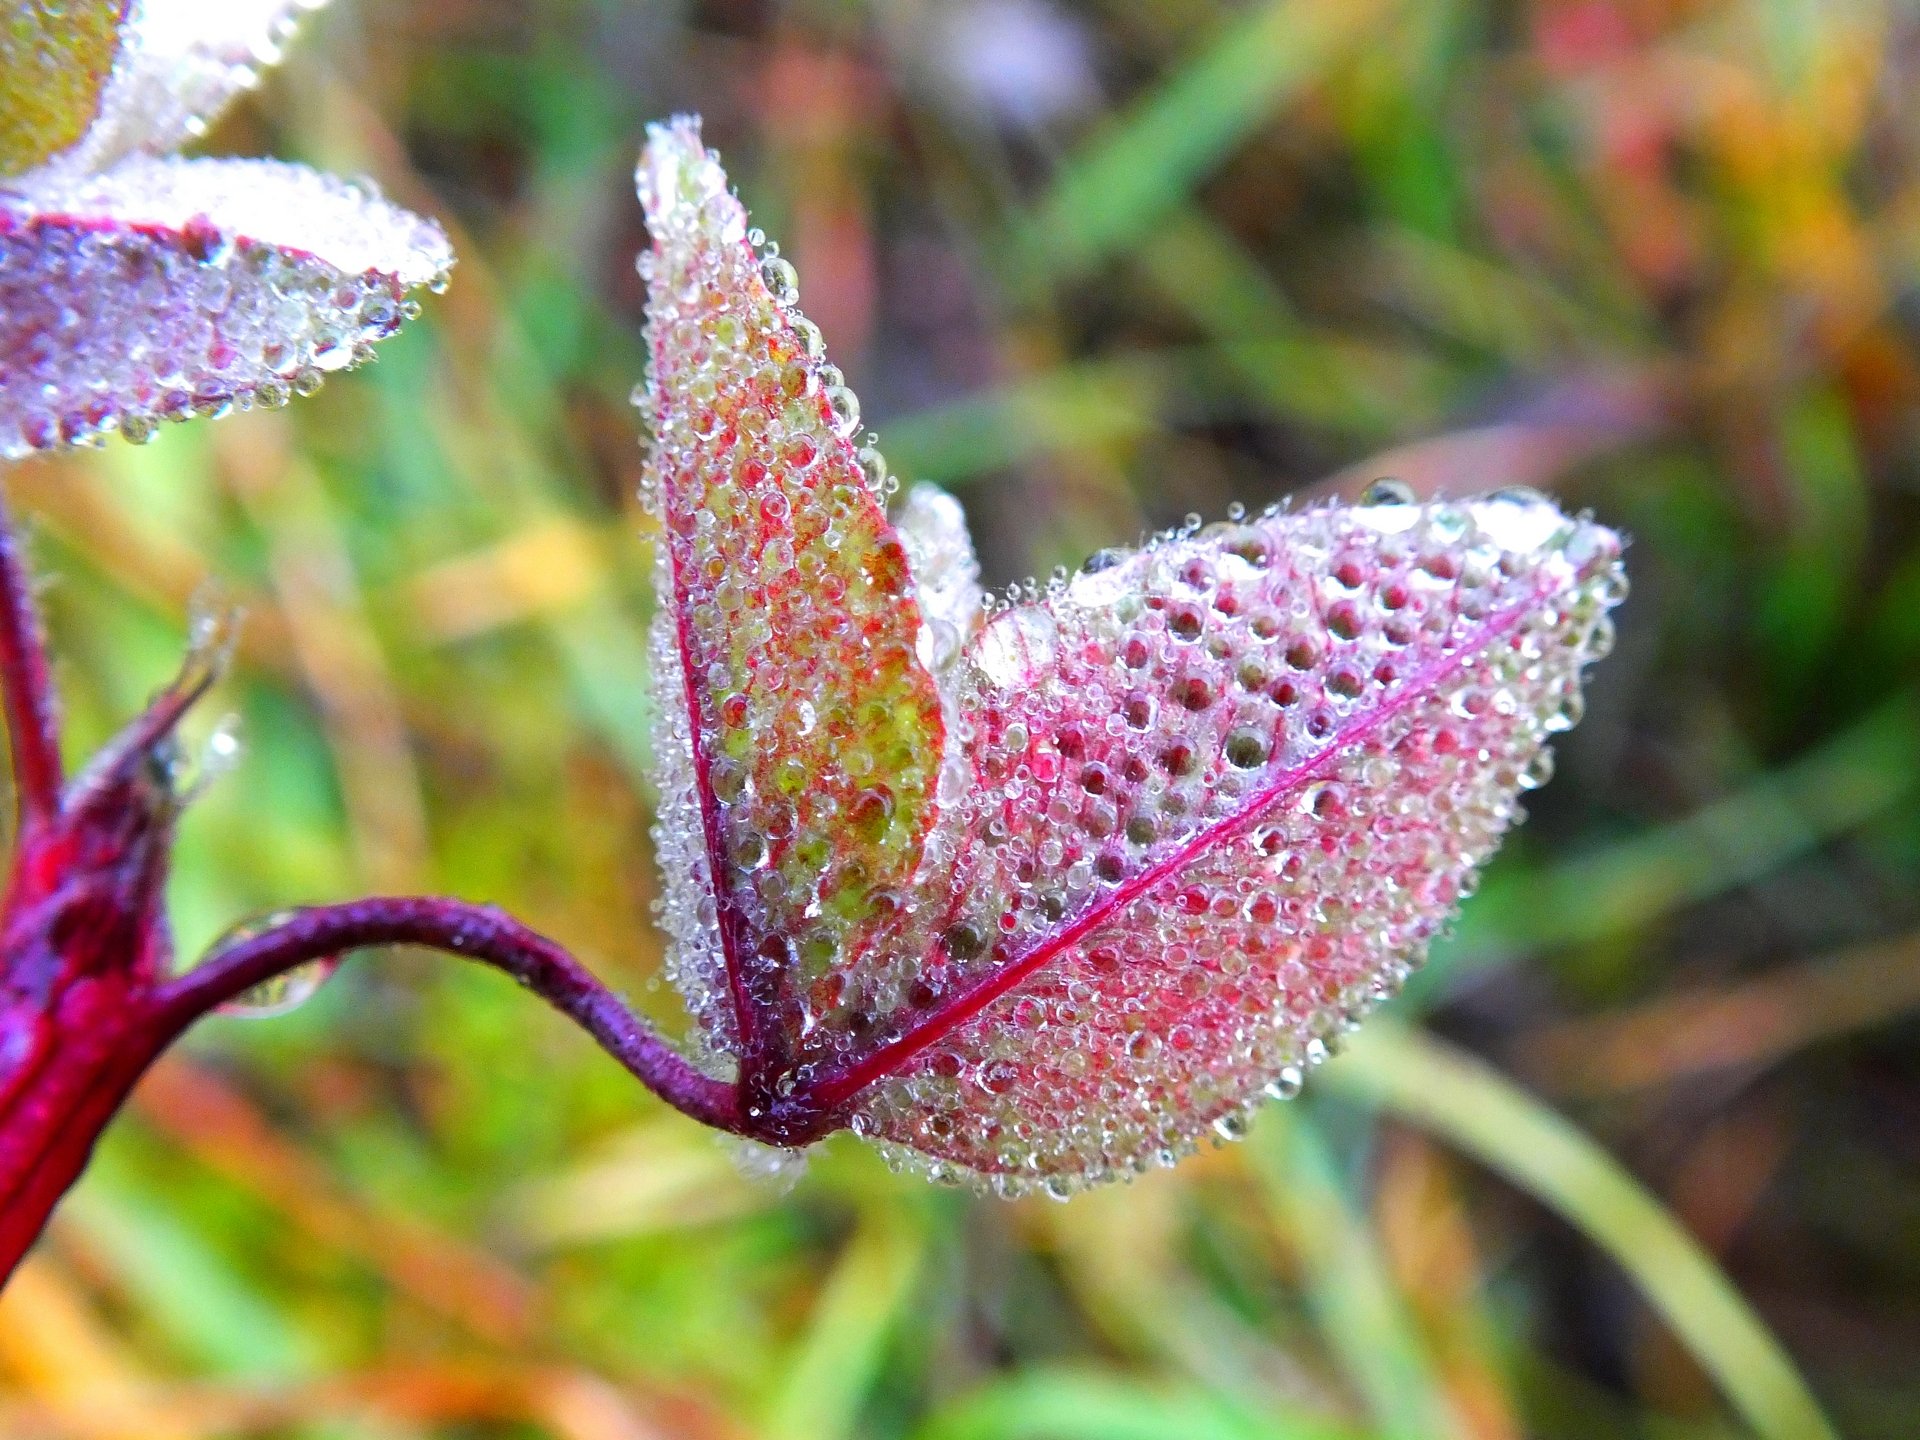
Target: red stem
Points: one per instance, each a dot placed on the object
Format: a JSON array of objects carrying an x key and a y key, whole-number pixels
[
  {"x": 69, "y": 1056},
  {"x": 472, "y": 932},
  {"x": 54, "y": 1117},
  {"x": 81, "y": 1066},
  {"x": 33, "y": 726}
]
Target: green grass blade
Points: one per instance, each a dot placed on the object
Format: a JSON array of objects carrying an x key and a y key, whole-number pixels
[
  {"x": 1072, "y": 1405},
  {"x": 1141, "y": 167},
  {"x": 1857, "y": 775},
  {"x": 209, "y": 1311},
  {"x": 1349, "y": 1290},
  {"x": 841, "y": 1353},
  {"x": 1474, "y": 1107},
  {"x": 1344, "y": 386}
]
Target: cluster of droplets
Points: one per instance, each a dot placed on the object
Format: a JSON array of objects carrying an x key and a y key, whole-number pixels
[
  {"x": 1227, "y": 789},
  {"x": 792, "y": 638},
  {"x": 946, "y": 576},
  {"x": 687, "y": 908},
  {"x": 124, "y": 304}
]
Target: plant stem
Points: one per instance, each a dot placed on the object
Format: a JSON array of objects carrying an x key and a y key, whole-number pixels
[
  {"x": 33, "y": 726},
  {"x": 72, "y": 1047},
  {"x": 57, "y": 1102},
  {"x": 473, "y": 932},
  {"x": 66, "y": 1073}
]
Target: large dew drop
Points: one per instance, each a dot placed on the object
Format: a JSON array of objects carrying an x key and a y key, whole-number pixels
[{"x": 283, "y": 994}]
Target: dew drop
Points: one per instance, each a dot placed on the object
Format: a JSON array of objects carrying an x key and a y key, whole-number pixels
[
  {"x": 1246, "y": 749},
  {"x": 1231, "y": 1126},
  {"x": 281, "y": 993},
  {"x": 1538, "y": 771},
  {"x": 845, "y": 406},
  {"x": 1388, "y": 491},
  {"x": 782, "y": 281},
  {"x": 1287, "y": 1084}
]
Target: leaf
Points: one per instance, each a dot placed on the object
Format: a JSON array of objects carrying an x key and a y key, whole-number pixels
[
  {"x": 1224, "y": 792},
  {"x": 55, "y": 60},
  {"x": 1151, "y": 840},
  {"x": 181, "y": 63},
  {"x": 171, "y": 288},
  {"x": 803, "y": 780}
]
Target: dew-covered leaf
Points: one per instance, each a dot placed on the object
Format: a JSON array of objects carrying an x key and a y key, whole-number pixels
[
  {"x": 1153, "y": 839},
  {"x": 165, "y": 289},
  {"x": 181, "y": 62},
  {"x": 55, "y": 59},
  {"x": 1223, "y": 793},
  {"x": 803, "y": 778}
]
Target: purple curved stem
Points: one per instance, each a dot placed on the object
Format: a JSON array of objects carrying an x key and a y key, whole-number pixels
[
  {"x": 473, "y": 932},
  {"x": 26, "y": 689}
]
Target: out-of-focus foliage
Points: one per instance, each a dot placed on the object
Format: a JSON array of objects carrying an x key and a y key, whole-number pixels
[{"x": 1096, "y": 267}]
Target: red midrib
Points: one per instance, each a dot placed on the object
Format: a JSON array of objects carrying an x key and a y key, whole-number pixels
[
  {"x": 745, "y": 1017},
  {"x": 840, "y": 1086}
]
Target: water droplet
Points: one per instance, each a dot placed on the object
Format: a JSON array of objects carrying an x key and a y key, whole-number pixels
[
  {"x": 1287, "y": 1084},
  {"x": 782, "y": 280},
  {"x": 1538, "y": 770},
  {"x": 1246, "y": 749},
  {"x": 845, "y": 406},
  {"x": 1231, "y": 1126},
  {"x": 1388, "y": 491},
  {"x": 283, "y": 993}
]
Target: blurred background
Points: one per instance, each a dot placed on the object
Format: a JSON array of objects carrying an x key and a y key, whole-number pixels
[{"x": 1093, "y": 266}]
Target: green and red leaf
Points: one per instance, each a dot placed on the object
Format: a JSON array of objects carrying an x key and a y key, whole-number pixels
[
  {"x": 801, "y": 783},
  {"x": 56, "y": 61}
]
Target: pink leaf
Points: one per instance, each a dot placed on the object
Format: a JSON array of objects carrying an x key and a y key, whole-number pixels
[
  {"x": 1225, "y": 791},
  {"x": 169, "y": 288},
  {"x": 1160, "y": 835}
]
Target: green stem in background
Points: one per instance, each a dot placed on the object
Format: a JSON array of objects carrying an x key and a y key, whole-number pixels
[{"x": 1466, "y": 1102}]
